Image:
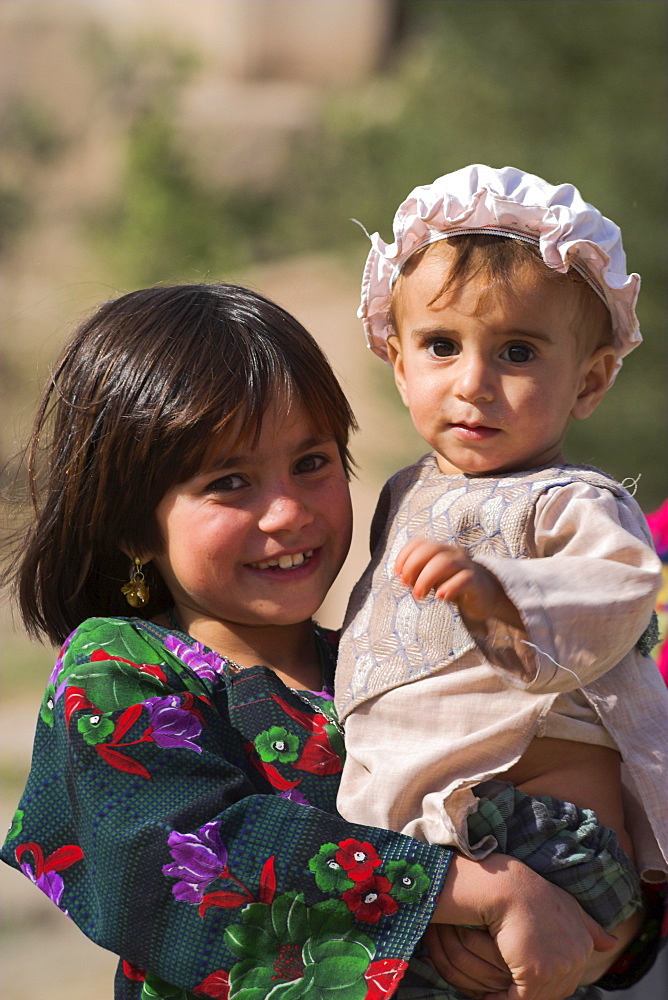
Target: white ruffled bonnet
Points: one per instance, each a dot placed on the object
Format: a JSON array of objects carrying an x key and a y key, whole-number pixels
[{"x": 511, "y": 203}]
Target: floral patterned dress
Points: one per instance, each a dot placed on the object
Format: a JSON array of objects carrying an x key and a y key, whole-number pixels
[{"x": 182, "y": 812}]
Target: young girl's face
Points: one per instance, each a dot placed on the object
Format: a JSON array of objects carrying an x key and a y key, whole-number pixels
[
  {"x": 258, "y": 537},
  {"x": 492, "y": 379}
]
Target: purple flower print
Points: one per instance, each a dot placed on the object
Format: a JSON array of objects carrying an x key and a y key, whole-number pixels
[
  {"x": 199, "y": 859},
  {"x": 292, "y": 795},
  {"x": 51, "y": 883},
  {"x": 43, "y": 872},
  {"x": 206, "y": 664},
  {"x": 171, "y": 724}
]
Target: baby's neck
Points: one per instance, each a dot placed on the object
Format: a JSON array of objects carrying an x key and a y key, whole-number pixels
[{"x": 490, "y": 469}]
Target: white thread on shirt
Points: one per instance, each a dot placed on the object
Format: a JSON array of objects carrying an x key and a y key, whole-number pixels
[
  {"x": 630, "y": 484},
  {"x": 525, "y": 642}
]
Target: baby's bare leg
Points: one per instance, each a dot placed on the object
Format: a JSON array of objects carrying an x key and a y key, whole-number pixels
[{"x": 599, "y": 962}]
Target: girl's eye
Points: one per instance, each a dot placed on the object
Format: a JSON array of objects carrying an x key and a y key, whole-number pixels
[
  {"x": 227, "y": 484},
  {"x": 518, "y": 354},
  {"x": 442, "y": 348},
  {"x": 311, "y": 463}
]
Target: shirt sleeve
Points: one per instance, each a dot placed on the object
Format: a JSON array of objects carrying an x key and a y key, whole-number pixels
[
  {"x": 145, "y": 822},
  {"x": 585, "y": 595}
]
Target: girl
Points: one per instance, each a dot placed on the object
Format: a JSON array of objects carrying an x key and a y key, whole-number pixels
[{"x": 197, "y": 435}]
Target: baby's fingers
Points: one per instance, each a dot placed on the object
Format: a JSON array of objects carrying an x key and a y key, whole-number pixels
[
  {"x": 438, "y": 573},
  {"x": 414, "y": 556}
]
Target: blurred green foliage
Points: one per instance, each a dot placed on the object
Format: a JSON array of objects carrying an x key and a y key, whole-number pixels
[
  {"x": 574, "y": 91},
  {"x": 30, "y": 139}
]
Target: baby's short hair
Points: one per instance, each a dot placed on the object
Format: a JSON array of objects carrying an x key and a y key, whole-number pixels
[{"x": 567, "y": 232}]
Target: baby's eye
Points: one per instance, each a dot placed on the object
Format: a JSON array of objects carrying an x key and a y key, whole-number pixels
[
  {"x": 310, "y": 463},
  {"x": 518, "y": 354},
  {"x": 227, "y": 484},
  {"x": 442, "y": 348}
]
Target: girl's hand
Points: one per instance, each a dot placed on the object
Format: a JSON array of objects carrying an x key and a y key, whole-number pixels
[
  {"x": 544, "y": 936},
  {"x": 450, "y": 571},
  {"x": 467, "y": 958}
]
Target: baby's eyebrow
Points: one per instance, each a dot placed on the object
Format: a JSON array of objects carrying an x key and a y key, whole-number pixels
[
  {"x": 424, "y": 332},
  {"x": 529, "y": 334}
]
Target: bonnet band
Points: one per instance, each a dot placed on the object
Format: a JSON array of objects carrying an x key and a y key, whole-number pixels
[{"x": 511, "y": 234}]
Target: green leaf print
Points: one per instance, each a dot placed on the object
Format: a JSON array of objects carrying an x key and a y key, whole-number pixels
[
  {"x": 155, "y": 988},
  {"x": 112, "y": 685},
  {"x": 17, "y": 824},
  {"x": 298, "y": 952}
]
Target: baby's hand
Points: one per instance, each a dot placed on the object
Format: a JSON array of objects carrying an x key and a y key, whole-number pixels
[{"x": 454, "y": 576}]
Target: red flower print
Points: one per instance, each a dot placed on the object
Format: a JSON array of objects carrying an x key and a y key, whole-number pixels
[
  {"x": 358, "y": 859},
  {"x": 383, "y": 977},
  {"x": 217, "y": 985},
  {"x": 75, "y": 700},
  {"x": 44, "y": 871},
  {"x": 133, "y": 972},
  {"x": 369, "y": 900},
  {"x": 152, "y": 669}
]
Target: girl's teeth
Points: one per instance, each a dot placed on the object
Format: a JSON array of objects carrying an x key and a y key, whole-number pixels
[{"x": 286, "y": 562}]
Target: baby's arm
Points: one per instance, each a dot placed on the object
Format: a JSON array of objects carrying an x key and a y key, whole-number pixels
[
  {"x": 454, "y": 576},
  {"x": 590, "y": 562}
]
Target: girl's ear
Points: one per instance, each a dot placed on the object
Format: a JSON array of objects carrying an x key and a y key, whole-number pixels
[
  {"x": 144, "y": 556},
  {"x": 397, "y": 362},
  {"x": 594, "y": 381}
]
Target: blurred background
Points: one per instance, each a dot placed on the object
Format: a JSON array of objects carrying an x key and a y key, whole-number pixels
[{"x": 153, "y": 141}]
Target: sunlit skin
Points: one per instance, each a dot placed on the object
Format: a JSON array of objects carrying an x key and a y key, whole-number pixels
[
  {"x": 492, "y": 379},
  {"x": 287, "y": 495},
  {"x": 284, "y": 498}
]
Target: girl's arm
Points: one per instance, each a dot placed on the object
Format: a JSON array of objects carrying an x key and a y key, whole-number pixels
[
  {"x": 173, "y": 840},
  {"x": 178, "y": 844}
]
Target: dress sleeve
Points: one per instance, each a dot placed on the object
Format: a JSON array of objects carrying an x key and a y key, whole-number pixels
[
  {"x": 585, "y": 595},
  {"x": 144, "y": 821}
]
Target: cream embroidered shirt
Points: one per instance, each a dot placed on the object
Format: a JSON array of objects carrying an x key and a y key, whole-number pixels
[{"x": 431, "y": 709}]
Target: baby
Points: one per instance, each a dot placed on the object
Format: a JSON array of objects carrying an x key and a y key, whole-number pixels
[{"x": 493, "y": 673}]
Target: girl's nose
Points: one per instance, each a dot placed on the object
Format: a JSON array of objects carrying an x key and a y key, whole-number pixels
[
  {"x": 473, "y": 380},
  {"x": 284, "y": 512}
]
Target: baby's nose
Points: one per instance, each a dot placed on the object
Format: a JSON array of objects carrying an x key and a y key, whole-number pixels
[{"x": 473, "y": 380}]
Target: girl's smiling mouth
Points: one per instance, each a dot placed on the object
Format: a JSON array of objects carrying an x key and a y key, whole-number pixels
[{"x": 285, "y": 561}]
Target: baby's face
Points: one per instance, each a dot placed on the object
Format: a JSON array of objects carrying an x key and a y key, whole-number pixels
[{"x": 492, "y": 377}]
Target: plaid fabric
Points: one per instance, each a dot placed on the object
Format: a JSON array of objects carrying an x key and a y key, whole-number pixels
[
  {"x": 564, "y": 844},
  {"x": 183, "y": 814},
  {"x": 421, "y": 982}
]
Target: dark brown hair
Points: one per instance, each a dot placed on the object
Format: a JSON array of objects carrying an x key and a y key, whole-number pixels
[
  {"x": 497, "y": 259},
  {"x": 131, "y": 409}
]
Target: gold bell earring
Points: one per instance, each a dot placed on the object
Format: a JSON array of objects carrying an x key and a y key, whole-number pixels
[{"x": 136, "y": 591}]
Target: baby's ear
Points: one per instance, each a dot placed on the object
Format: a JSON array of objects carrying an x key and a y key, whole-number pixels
[
  {"x": 595, "y": 377},
  {"x": 397, "y": 362}
]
